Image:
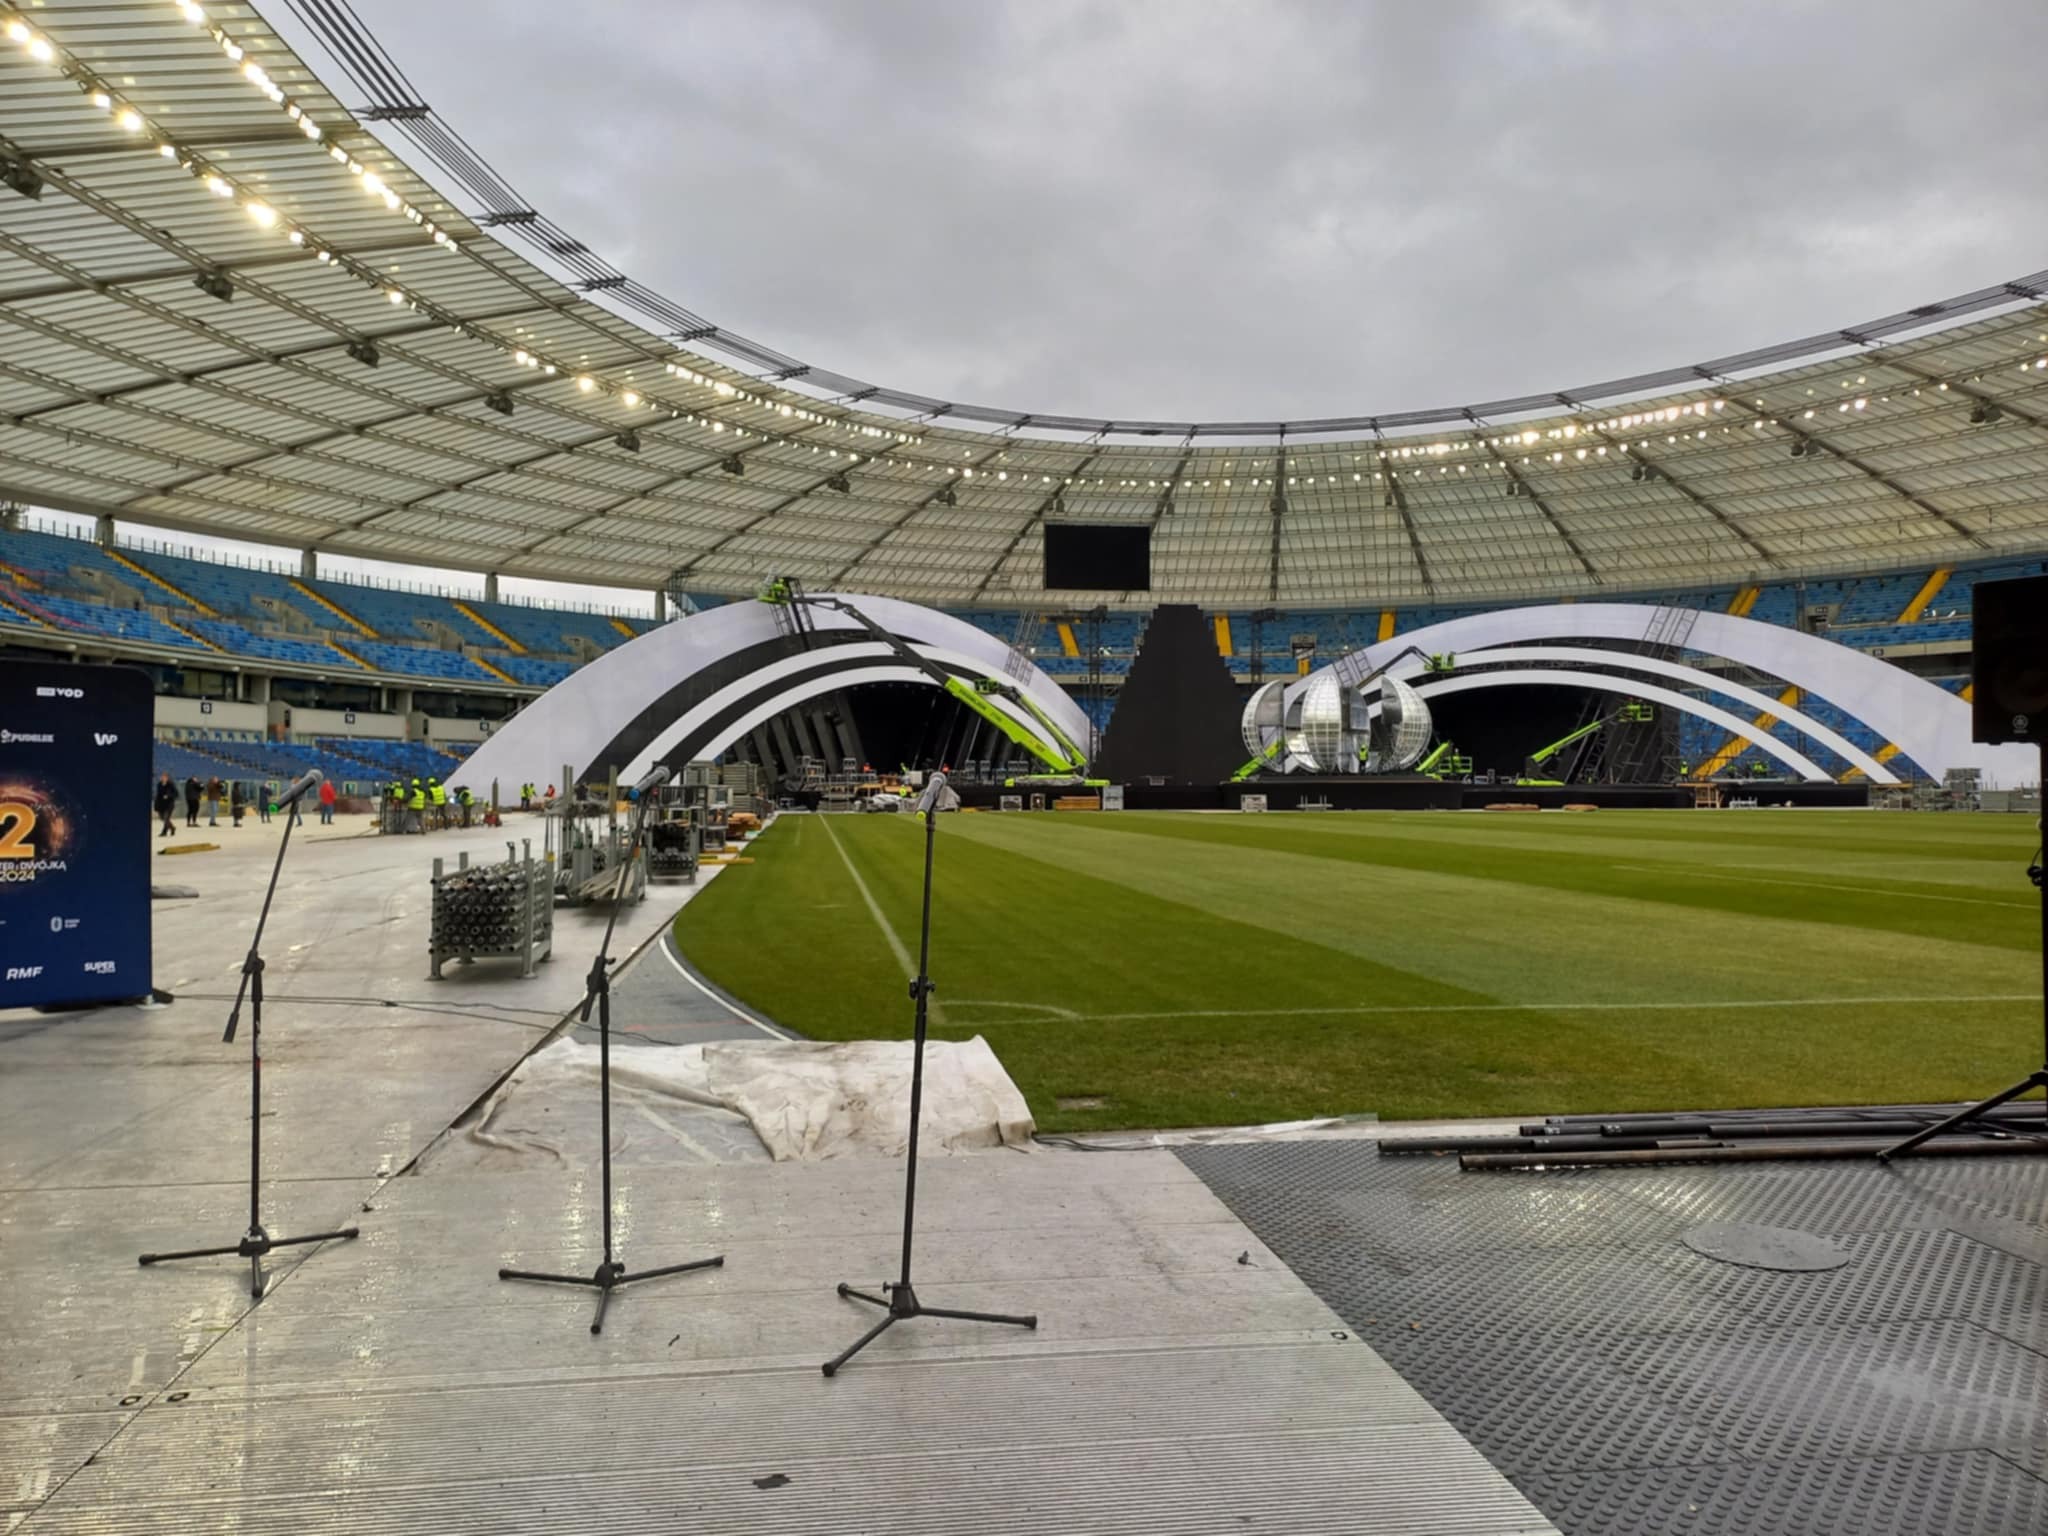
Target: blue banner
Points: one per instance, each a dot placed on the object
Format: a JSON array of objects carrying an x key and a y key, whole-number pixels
[{"x": 74, "y": 844}]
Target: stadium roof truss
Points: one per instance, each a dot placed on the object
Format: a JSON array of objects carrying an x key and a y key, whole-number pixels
[{"x": 226, "y": 306}]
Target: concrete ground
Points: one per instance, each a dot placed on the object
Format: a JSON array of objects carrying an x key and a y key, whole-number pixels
[{"x": 1181, "y": 1377}]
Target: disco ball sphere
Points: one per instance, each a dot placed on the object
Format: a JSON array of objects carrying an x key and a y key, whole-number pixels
[
  {"x": 1400, "y": 731},
  {"x": 1260, "y": 724},
  {"x": 1321, "y": 736}
]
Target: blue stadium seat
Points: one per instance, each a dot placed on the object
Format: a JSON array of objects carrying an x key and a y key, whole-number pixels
[
  {"x": 99, "y": 619},
  {"x": 233, "y": 590},
  {"x": 419, "y": 661},
  {"x": 541, "y": 671},
  {"x": 243, "y": 642}
]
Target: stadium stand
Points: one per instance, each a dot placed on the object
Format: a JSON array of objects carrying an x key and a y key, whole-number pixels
[
  {"x": 60, "y": 612},
  {"x": 420, "y": 661},
  {"x": 244, "y": 642},
  {"x": 541, "y": 671},
  {"x": 50, "y": 581},
  {"x": 548, "y": 631},
  {"x": 393, "y": 614},
  {"x": 239, "y": 591}
]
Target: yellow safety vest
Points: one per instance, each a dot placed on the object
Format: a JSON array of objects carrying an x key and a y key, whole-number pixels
[{"x": 438, "y": 795}]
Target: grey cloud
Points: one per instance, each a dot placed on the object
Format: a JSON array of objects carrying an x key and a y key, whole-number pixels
[{"x": 1185, "y": 208}]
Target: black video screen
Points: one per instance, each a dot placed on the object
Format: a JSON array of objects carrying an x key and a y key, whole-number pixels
[{"x": 1098, "y": 557}]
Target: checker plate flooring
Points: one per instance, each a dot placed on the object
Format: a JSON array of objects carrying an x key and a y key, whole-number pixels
[{"x": 1629, "y": 1385}]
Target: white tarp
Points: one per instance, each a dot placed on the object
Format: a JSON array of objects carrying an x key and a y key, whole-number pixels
[{"x": 744, "y": 1101}]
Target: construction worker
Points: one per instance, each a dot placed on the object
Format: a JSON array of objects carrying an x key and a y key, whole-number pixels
[
  {"x": 437, "y": 797},
  {"x": 394, "y": 807},
  {"x": 416, "y": 807},
  {"x": 463, "y": 799}
]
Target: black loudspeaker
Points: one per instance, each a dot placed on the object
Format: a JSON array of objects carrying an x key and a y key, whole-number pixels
[{"x": 2009, "y": 660}]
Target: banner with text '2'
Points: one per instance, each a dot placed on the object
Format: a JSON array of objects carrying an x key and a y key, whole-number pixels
[{"x": 74, "y": 845}]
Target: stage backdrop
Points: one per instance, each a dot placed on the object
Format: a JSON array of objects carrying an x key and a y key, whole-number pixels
[{"x": 74, "y": 849}]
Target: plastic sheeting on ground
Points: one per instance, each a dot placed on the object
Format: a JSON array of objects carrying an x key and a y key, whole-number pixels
[{"x": 744, "y": 1101}]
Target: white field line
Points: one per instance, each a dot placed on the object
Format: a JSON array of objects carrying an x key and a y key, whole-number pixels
[
  {"x": 741, "y": 1014},
  {"x": 875, "y": 910},
  {"x": 1829, "y": 885},
  {"x": 1557, "y": 1007}
]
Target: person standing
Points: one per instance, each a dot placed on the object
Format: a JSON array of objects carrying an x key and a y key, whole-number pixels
[
  {"x": 327, "y": 802},
  {"x": 192, "y": 789},
  {"x": 264, "y": 793},
  {"x": 214, "y": 795},
  {"x": 238, "y": 803},
  {"x": 166, "y": 803}
]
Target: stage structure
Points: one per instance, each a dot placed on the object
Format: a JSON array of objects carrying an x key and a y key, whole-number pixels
[
  {"x": 692, "y": 688},
  {"x": 1329, "y": 725},
  {"x": 1679, "y": 658}
]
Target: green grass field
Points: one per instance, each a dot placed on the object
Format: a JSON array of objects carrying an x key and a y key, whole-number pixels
[{"x": 1213, "y": 969}]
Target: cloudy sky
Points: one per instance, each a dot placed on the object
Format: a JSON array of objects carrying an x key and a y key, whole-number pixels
[
  {"x": 1190, "y": 208},
  {"x": 1255, "y": 209}
]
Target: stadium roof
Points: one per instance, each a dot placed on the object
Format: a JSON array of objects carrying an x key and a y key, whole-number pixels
[{"x": 226, "y": 306}]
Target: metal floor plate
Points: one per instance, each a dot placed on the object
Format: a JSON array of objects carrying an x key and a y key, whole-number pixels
[{"x": 1629, "y": 1385}]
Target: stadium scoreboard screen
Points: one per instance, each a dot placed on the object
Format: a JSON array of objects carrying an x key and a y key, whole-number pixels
[
  {"x": 74, "y": 850},
  {"x": 1098, "y": 557}
]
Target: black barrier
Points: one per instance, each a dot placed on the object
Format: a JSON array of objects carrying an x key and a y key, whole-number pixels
[{"x": 74, "y": 849}]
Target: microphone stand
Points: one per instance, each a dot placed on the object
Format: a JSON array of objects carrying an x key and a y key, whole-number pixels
[
  {"x": 899, "y": 1299},
  {"x": 2034, "y": 1079},
  {"x": 258, "y": 1242},
  {"x": 610, "y": 1273}
]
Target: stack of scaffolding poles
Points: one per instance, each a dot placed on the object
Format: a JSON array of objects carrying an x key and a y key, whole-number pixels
[{"x": 1731, "y": 1136}]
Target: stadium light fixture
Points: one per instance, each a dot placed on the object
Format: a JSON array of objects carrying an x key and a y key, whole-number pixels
[
  {"x": 733, "y": 464},
  {"x": 364, "y": 351},
  {"x": 215, "y": 284},
  {"x": 499, "y": 400},
  {"x": 628, "y": 440},
  {"x": 17, "y": 177}
]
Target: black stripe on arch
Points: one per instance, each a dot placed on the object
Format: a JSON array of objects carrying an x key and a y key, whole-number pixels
[
  {"x": 666, "y": 708},
  {"x": 690, "y": 747}
]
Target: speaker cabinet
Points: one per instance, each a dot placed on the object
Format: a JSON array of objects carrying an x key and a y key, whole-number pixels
[{"x": 2009, "y": 660}]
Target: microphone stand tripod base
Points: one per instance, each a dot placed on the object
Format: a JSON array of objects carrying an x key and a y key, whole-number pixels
[
  {"x": 901, "y": 1304},
  {"x": 608, "y": 1277},
  {"x": 252, "y": 1247}
]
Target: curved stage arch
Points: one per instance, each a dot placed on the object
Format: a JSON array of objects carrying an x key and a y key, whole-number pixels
[
  {"x": 1611, "y": 664},
  {"x": 1799, "y": 763},
  {"x": 691, "y": 688},
  {"x": 1930, "y": 725}
]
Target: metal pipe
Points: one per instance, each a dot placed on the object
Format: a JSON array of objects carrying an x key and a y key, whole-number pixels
[
  {"x": 1752, "y": 1152},
  {"x": 1740, "y": 1130},
  {"x": 1417, "y": 1146},
  {"x": 1573, "y": 1125}
]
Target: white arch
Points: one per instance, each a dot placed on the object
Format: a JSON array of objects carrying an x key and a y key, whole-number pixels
[
  {"x": 1804, "y": 766},
  {"x": 1693, "y": 676},
  {"x": 575, "y": 720},
  {"x": 1927, "y": 723},
  {"x": 692, "y": 719}
]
